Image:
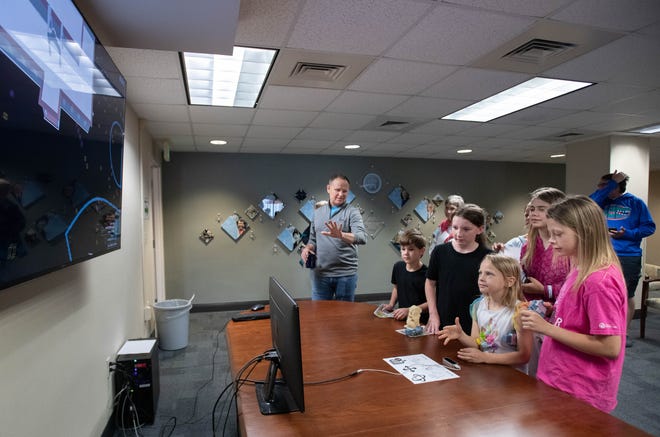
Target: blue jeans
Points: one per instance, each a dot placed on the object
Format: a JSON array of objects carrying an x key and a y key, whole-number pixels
[
  {"x": 631, "y": 266},
  {"x": 334, "y": 288}
]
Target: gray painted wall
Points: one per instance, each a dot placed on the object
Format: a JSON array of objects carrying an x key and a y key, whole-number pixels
[{"x": 199, "y": 186}]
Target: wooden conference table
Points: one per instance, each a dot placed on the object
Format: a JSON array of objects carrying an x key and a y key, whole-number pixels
[{"x": 341, "y": 337}]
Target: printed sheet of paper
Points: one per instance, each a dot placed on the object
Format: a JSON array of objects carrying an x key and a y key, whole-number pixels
[{"x": 420, "y": 368}]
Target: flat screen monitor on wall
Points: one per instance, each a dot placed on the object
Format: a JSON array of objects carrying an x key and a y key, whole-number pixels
[
  {"x": 62, "y": 109},
  {"x": 286, "y": 394}
]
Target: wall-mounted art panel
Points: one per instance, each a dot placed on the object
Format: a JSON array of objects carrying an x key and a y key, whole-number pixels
[
  {"x": 235, "y": 226},
  {"x": 307, "y": 210},
  {"x": 251, "y": 212},
  {"x": 271, "y": 205},
  {"x": 425, "y": 209},
  {"x": 399, "y": 196},
  {"x": 289, "y": 237},
  {"x": 372, "y": 183}
]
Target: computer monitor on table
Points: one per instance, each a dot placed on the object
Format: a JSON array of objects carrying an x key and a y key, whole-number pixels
[{"x": 283, "y": 395}]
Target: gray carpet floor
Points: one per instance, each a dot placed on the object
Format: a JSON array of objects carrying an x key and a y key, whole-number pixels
[{"x": 192, "y": 379}]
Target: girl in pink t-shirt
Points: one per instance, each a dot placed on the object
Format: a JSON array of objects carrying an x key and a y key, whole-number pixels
[{"x": 582, "y": 351}]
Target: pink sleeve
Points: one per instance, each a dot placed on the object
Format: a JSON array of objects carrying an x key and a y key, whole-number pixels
[{"x": 606, "y": 302}]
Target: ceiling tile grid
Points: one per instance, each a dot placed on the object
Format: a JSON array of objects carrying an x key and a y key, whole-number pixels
[{"x": 424, "y": 67}]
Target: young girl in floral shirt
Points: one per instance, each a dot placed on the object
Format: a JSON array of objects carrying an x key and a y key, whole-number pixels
[{"x": 496, "y": 337}]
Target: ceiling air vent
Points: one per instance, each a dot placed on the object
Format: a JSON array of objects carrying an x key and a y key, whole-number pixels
[
  {"x": 315, "y": 71},
  {"x": 544, "y": 45},
  {"x": 395, "y": 125},
  {"x": 569, "y": 135},
  {"x": 538, "y": 51}
]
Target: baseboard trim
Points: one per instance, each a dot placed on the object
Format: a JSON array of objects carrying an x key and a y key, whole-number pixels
[{"x": 242, "y": 306}]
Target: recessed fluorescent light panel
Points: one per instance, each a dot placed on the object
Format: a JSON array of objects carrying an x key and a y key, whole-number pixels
[
  {"x": 522, "y": 96},
  {"x": 220, "y": 80},
  {"x": 648, "y": 129}
]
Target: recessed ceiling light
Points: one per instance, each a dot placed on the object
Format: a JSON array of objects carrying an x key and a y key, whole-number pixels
[
  {"x": 648, "y": 129},
  {"x": 464, "y": 151},
  {"x": 352, "y": 146},
  {"x": 527, "y": 94},
  {"x": 220, "y": 80},
  {"x": 218, "y": 142},
  {"x": 559, "y": 155}
]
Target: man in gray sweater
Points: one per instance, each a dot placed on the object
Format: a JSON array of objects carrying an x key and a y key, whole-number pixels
[{"x": 336, "y": 230}]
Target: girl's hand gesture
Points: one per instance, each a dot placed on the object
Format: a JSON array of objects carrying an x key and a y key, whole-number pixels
[
  {"x": 472, "y": 355},
  {"x": 400, "y": 314},
  {"x": 533, "y": 286},
  {"x": 451, "y": 332},
  {"x": 533, "y": 321}
]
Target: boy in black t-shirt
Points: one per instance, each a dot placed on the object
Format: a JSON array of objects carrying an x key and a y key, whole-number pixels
[{"x": 409, "y": 276}]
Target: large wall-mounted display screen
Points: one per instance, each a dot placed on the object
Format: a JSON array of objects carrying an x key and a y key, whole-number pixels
[{"x": 62, "y": 105}]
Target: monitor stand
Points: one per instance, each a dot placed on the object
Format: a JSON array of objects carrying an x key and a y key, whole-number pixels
[{"x": 273, "y": 395}]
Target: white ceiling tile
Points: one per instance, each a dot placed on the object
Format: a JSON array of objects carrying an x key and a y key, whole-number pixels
[
  {"x": 443, "y": 127},
  {"x": 169, "y": 128},
  {"x": 272, "y": 132},
  {"x": 262, "y": 25},
  {"x": 294, "y": 98},
  {"x": 532, "y": 132},
  {"x": 216, "y": 114},
  {"x": 322, "y": 134},
  {"x": 159, "y": 91},
  {"x": 356, "y": 102},
  {"x": 578, "y": 120},
  {"x": 156, "y": 64},
  {"x": 272, "y": 143},
  {"x": 532, "y": 8},
  {"x": 622, "y": 122},
  {"x": 154, "y": 112},
  {"x": 643, "y": 104},
  {"x": 593, "y": 96},
  {"x": 619, "y": 61},
  {"x": 360, "y": 136},
  {"x": 399, "y": 77},
  {"x": 271, "y": 117},
  {"x": 435, "y": 38},
  {"x": 489, "y": 129},
  {"x": 474, "y": 84},
  {"x": 331, "y": 120},
  {"x": 412, "y": 139},
  {"x": 611, "y": 14},
  {"x": 219, "y": 130},
  {"x": 455, "y": 141},
  {"x": 309, "y": 144},
  {"x": 428, "y": 107},
  {"x": 532, "y": 115},
  {"x": 330, "y": 24}
]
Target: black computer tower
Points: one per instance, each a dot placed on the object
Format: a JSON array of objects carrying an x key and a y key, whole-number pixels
[{"x": 136, "y": 383}]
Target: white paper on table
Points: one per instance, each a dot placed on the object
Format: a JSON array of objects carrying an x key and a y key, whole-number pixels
[{"x": 420, "y": 368}]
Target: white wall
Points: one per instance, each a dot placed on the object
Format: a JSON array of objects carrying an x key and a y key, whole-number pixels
[{"x": 57, "y": 330}]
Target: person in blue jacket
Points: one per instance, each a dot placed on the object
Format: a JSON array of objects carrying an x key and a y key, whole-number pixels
[{"x": 629, "y": 221}]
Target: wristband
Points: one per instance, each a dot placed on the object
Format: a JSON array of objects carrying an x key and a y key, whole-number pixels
[{"x": 549, "y": 289}]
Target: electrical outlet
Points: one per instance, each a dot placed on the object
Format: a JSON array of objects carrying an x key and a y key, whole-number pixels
[{"x": 147, "y": 313}]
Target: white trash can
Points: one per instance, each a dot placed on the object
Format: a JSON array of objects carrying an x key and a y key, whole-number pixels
[{"x": 172, "y": 319}]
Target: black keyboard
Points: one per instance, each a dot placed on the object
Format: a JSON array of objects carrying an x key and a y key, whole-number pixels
[{"x": 251, "y": 316}]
